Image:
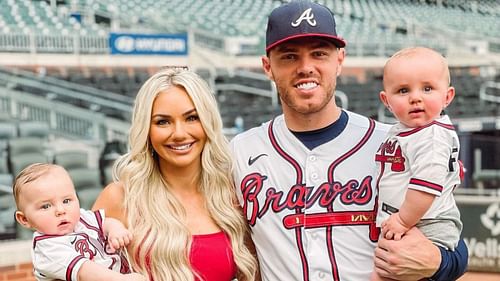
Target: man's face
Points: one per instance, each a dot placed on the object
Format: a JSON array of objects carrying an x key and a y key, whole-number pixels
[{"x": 305, "y": 71}]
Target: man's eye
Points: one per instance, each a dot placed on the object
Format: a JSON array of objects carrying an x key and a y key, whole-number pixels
[
  {"x": 288, "y": 57},
  {"x": 320, "y": 54}
]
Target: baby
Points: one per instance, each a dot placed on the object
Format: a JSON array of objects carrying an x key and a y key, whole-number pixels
[{"x": 69, "y": 243}]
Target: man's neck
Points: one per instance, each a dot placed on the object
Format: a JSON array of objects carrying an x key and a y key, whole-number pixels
[{"x": 298, "y": 122}]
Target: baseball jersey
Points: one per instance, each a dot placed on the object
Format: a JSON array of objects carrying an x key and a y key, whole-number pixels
[
  {"x": 61, "y": 256},
  {"x": 424, "y": 159},
  {"x": 312, "y": 212}
]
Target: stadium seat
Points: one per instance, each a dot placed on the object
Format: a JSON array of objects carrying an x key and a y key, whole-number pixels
[
  {"x": 7, "y": 208},
  {"x": 8, "y": 130},
  {"x": 87, "y": 184},
  {"x": 86, "y": 178},
  {"x": 21, "y": 161},
  {"x": 34, "y": 129},
  {"x": 72, "y": 159}
]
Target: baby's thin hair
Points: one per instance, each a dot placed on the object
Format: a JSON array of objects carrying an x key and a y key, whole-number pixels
[
  {"x": 29, "y": 174},
  {"x": 414, "y": 50}
]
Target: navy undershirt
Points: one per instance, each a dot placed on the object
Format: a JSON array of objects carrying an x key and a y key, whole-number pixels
[
  {"x": 315, "y": 138},
  {"x": 453, "y": 263}
]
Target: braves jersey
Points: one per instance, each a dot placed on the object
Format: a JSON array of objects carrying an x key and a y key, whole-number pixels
[
  {"x": 312, "y": 212},
  {"x": 59, "y": 257},
  {"x": 424, "y": 159}
]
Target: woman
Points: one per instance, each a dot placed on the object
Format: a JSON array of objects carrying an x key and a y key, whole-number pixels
[{"x": 174, "y": 189}]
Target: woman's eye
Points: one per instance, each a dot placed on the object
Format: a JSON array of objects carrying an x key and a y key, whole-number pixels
[
  {"x": 193, "y": 118},
  {"x": 162, "y": 122}
]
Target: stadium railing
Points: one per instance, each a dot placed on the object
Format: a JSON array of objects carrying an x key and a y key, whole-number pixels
[{"x": 64, "y": 120}]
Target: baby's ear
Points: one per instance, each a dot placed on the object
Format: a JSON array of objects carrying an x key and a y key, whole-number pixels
[
  {"x": 22, "y": 220},
  {"x": 383, "y": 98}
]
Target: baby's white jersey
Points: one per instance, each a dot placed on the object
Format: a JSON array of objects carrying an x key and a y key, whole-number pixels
[
  {"x": 312, "y": 212},
  {"x": 424, "y": 159},
  {"x": 59, "y": 257}
]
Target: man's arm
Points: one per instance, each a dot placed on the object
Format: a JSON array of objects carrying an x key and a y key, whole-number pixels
[
  {"x": 453, "y": 263},
  {"x": 415, "y": 257}
]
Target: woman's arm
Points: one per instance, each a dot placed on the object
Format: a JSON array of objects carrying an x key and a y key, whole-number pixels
[
  {"x": 91, "y": 271},
  {"x": 111, "y": 200}
]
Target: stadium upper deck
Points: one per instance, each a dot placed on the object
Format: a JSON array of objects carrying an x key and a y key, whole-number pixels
[{"x": 370, "y": 27}]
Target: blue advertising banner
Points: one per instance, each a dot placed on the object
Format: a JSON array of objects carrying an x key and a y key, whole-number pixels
[{"x": 148, "y": 44}]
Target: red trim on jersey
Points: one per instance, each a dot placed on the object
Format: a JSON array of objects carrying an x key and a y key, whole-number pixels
[
  {"x": 299, "y": 179},
  {"x": 353, "y": 150},
  {"x": 288, "y": 158},
  {"x": 329, "y": 219},
  {"x": 426, "y": 184},
  {"x": 446, "y": 126},
  {"x": 71, "y": 267},
  {"x": 331, "y": 178},
  {"x": 43, "y": 237}
]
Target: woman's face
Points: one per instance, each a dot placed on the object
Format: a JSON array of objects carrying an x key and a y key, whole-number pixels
[{"x": 176, "y": 133}]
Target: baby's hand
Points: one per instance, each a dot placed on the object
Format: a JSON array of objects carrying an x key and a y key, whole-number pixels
[
  {"x": 119, "y": 238},
  {"x": 394, "y": 227},
  {"x": 134, "y": 277}
]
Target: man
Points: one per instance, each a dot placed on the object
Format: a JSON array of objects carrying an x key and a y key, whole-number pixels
[{"x": 306, "y": 179}]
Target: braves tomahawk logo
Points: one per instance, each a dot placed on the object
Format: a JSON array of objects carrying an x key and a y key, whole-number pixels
[
  {"x": 308, "y": 16},
  {"x": 390, "y": 152}
]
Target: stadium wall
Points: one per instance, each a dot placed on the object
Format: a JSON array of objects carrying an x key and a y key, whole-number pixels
[{"x": 15, "y": 261}]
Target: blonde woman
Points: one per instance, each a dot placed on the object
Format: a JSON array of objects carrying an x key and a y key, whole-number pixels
[{"x": 174, "y": 189}]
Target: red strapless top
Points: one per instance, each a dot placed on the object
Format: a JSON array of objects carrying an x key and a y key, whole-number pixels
[{"x": 211, "y": 257}]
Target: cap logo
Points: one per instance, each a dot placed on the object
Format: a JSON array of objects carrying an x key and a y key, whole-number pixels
[{"x": 308, "y": 16}]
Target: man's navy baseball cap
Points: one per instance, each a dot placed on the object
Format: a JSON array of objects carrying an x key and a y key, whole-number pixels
[{"x": 301, "y": 19}]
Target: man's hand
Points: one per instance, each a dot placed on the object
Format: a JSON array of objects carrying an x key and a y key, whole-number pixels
[{"x": 412, "y": 258}]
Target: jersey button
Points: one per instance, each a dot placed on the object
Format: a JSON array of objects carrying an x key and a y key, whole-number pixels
[
  {"x": 312, "y": 158},
  {"x": 314, "y": 176},
  {"x": 321, "y": 275}
]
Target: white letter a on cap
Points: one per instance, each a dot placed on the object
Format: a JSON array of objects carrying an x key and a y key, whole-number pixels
[{"x": 306, "y": 15}]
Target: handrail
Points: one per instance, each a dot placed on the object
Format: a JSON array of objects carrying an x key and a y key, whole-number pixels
[
  {"x": 63, "y": 119},
  {"x": 69, "y": 85},
  {"x": 489, "y": 97},
  {"x": 65, "y": 92}
]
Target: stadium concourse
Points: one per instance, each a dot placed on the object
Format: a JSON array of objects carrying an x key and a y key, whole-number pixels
[{"x": 70, "y": 69}]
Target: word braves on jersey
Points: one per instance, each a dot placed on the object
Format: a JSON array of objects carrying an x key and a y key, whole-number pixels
[{"x": 312, "y": 212}]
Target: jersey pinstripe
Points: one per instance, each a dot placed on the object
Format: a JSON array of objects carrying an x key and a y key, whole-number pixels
[{"x": 312, "y": 212}]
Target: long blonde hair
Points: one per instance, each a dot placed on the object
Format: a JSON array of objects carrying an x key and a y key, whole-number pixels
[{"x": 162, "y": 241}]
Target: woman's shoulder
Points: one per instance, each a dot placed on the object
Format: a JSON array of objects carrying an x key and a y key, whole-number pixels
[{"x": 111, "y": 200}]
